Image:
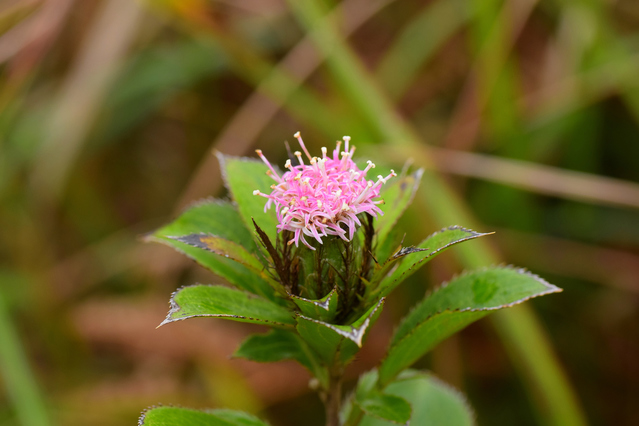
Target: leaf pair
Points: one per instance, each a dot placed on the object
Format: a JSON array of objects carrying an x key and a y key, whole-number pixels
[{"x": 315, "y": 344}]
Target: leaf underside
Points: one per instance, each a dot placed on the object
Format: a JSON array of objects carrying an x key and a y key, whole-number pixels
[{"x": 276, "y": 345}]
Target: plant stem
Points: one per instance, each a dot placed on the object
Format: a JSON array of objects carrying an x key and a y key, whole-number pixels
[{"x": 333, "y": 397}]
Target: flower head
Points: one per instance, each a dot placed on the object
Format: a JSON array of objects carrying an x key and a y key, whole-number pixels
[{"x": 317, "y": 198}]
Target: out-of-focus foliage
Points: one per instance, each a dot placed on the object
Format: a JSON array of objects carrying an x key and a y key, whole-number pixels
[{"x": 110, "y": 110}]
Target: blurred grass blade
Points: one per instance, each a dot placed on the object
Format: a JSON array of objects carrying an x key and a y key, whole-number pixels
[
  {"x": 541, "y": 371},
  {"x": 527, "y": 175},
  {"x": 419, "y": 40},
  {"x": 18, "y": 379},
  {"x": 81, "y": 94}
]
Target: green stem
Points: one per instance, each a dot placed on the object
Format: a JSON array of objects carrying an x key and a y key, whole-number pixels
[
  {"x": 333, "y": 397},
  {"x": 517, "y": 327}
]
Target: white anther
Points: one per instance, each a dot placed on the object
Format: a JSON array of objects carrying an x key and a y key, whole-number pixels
[{"x": 347, "y": 139}]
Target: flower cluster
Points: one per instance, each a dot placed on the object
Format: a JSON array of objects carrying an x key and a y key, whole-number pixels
[{"x": 315, "y": 199}]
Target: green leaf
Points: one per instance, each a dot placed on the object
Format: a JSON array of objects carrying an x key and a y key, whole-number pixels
[
  {"x": 174, "y": 416},
  {"x": 388, "y": 407},
  {"x": 233, "y": 251},
  {"x": 278, "y": 345},
  {"x": 228, "y": 303},
  {"x": 324, "y": 309},
  {"x": 433, "y": 402},
  {"x": 453, "y": 306},
  {"x": 243, "y": 176},
  {"x": 222, "y": 247},
  {"x": 337, "y": 343},
  {"x": 434, "y": 244},
  {"x": 214, "y": 217},
  {"x": 219, "y": 218},
  {"x": 397, "y": 195}
]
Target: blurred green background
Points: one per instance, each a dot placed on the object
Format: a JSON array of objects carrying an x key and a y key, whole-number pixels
[{"x": 525, "y": 114}]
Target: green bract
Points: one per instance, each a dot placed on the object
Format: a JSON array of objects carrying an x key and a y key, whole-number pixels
[{"x": 323, "y": 303}]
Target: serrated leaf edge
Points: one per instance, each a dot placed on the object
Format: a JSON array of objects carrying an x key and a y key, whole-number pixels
[
  {"x": 174, "y": 308},
  {"x": 151, "y": 407},
  {"x": 356, "y": 335},
  {"x": 474, "y": 234},
  {"x": 220, "y": 252},
  {"x": 550, "y": 289},
  {"x": 142, "y": 417},
  {"x": 323, "y": 305}
]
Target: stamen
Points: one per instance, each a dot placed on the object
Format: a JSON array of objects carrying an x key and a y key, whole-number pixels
[
  {"x": 347, "y": 140},
  {"x": 299, "y": 157},
  {"x": 371, "y": 165},
  {"x": 259, "y": 152},
  {"x": 298, "y": 135},
  {"x": 336, "y": 151}
]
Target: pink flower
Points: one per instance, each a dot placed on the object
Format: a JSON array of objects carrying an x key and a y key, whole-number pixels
[{"x": 315, "y": 199}]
